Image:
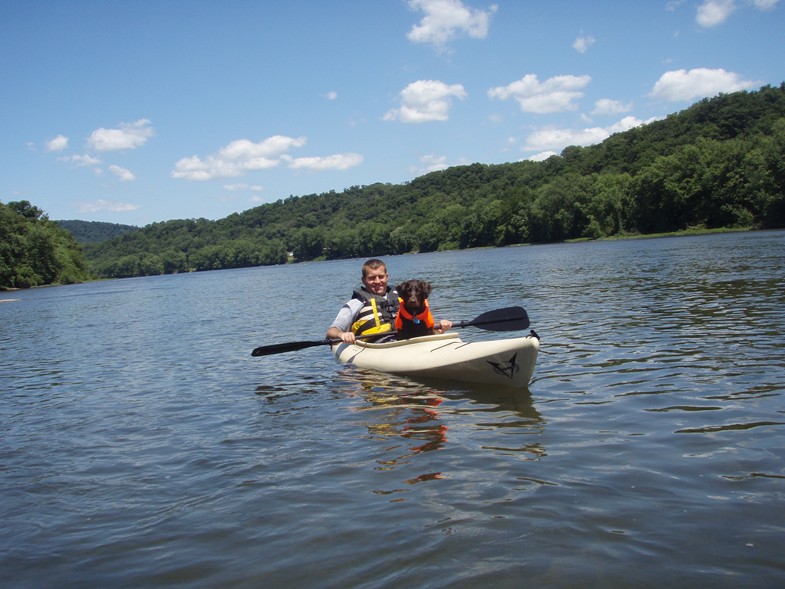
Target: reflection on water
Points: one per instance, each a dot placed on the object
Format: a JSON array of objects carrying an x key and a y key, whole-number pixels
[
  {"x": 408, "y": 418},
  {"x": 395, "y": 408}
]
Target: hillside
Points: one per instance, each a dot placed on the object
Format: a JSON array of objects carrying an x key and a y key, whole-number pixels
[
  {"x": 719, "y": 163},
  {"x": 94, "y": 231}
]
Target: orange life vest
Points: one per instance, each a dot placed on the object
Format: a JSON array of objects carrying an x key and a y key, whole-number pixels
[{"x": 424, "y": 317}]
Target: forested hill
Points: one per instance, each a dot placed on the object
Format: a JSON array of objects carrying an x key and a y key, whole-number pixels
[
  {"x": 35, "y": 251},
  {"x": 719, "y": 163},
  {"x": 95, "y": 231}
]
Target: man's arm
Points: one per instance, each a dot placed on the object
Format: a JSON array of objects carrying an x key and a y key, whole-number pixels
[{"x": 341, "y": 327}]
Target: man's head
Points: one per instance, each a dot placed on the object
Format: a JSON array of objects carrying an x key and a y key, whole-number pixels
[{"x": 375, "y": 277}]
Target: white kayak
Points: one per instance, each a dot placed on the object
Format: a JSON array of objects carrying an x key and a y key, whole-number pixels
[{"x": 507, "y": 362}]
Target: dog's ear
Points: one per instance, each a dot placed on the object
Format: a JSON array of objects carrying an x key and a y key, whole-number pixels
[
  {"x": 426, "y": 289},
  {"x": 403, "y": 288}
]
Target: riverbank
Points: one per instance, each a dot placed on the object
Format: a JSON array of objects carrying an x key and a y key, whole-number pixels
[{"x": 692, "y": 231}]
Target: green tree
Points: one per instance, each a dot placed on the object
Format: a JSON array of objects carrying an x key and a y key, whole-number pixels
[
  {"x": 608, "y": 205},
  {"x": 35, "y": 251},
  {"x": 771, "y": 198}
]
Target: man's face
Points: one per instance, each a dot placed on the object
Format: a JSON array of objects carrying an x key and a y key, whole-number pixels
[{"x": 375, "y": 280}]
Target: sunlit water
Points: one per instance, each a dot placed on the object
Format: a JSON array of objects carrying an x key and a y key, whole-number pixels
[{"x": 143, "y": 446}]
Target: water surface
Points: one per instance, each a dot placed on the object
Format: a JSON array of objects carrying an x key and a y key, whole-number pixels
[{"x": 142, "y": 445}]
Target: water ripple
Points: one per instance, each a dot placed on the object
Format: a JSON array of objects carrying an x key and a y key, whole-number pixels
[{"x": 143, "y": 446}]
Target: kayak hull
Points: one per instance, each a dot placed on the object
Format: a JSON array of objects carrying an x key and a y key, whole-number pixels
[{"x": 508, "y": 362}]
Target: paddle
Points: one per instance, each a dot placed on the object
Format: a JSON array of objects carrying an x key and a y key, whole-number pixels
[{"x": 508, "y": 319}]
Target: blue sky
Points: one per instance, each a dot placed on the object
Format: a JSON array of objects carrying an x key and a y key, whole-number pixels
[{"x": 146, "y": 111}]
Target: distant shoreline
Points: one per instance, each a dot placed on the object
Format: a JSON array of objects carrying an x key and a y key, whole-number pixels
[{"x": 680, "y": 233}]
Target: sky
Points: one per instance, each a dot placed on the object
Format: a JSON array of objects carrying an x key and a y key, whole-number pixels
[{"x": 147, "y": 111}]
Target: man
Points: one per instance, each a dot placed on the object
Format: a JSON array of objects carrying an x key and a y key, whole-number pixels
[{"x": 372, "y": 309}]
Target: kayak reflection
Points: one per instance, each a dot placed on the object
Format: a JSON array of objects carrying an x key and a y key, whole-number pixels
[
  {"x": 396, "y": 408},
  {"x": 410, "y": 419}
]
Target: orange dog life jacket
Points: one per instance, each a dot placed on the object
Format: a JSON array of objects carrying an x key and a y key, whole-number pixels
[{"x": 424, "y": 317}]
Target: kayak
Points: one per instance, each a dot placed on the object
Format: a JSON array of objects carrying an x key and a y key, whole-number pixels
[{"x": 507, "y": 362}]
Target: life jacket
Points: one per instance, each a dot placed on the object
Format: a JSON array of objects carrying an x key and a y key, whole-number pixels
[
  {"x": 424, "y": 317},
  {"x": 377, "y": 314}
]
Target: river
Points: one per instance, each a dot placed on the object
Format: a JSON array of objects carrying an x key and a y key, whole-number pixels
[{"x": 143, "y": 446}]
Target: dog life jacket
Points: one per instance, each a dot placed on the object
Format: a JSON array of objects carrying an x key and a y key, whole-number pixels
[
  {"x": 377, "y": 313},
  {"x": 424, "y": 317}
]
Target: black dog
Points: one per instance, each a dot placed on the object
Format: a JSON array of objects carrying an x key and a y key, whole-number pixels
[{"x": 414, "y": 318}]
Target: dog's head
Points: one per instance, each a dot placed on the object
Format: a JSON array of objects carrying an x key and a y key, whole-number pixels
[{"x": 413, "y": 293}]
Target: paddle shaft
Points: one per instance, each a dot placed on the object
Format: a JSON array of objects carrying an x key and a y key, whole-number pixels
[
  {"x": 508, "y": 319},
  {"x": 294, "y": 346}
]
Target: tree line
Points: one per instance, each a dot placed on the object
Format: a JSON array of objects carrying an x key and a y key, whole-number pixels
[
  {"x": 719, "y": 163},
  {"x": 35, "y": 251},
  {"x": 95, "y": 231}
]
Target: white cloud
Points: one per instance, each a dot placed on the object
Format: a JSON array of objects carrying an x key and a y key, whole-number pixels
[
  {"x": 554, "y": 138},
  {"x": 433, "y": 163},
  {"x": 99, "y": 205},
  {"x": 338, "y": 161},
  {"x": 551, "y": 139},
  {"x": 606, "y": 106},
  {"x": 426, "y": 100},
  {"x": 682, "y": 85},
  {"x": 332, "y": 95},
  {"x": 541, "y": 156},
  {"x": 555, "y": 94},
  {"x": 446, "y": 19},
  {"x": 80, "y": 161},
  {"x": 628, "y": 123},
  {"x": 122, "y": 173},
  {"x": 582, "y": 43},
  {"x": 237, "y": 158},
  {"x": 59, "y": 143},
  {"x": 714, "y": 12},
  {"x": 242, "y": 155},
  {"x": 196, "y": 168},
  {"x": 243, "y": 187},
  {"x": 127, "y": 136},
  {"x": 249, "y": 154}
]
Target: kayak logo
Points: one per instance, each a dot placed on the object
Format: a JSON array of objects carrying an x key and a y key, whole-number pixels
[{"x": 508, "y": 368}]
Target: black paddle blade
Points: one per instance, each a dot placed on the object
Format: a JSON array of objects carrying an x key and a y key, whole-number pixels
[
  {"x": 507, "y": 319},
  {"x": 288, "y": 347}
]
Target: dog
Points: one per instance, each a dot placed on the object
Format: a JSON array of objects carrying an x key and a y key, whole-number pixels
[{"x": 414, "y": 318}]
